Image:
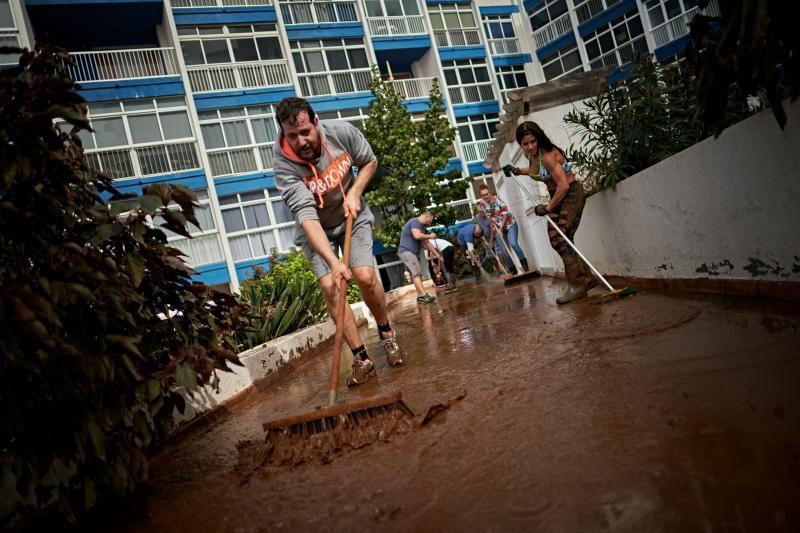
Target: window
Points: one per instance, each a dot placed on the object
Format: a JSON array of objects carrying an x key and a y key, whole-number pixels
[
  {"x": 498, "y": 27},
  {"x": 256, "y": 222},
  {"x": 239, "y": 139},
  {"x": 391, "y": 8},
  {"x": 316, "y": 12},
  {"x": 140, "y": 137},
  {"x": 331, "y": 66},
  {"x": 476, "y": 133},
  {"x": 586, "y": 9},
  {"x": 451, "y": 16},
  {"x": 8, "y": 34},
  {"x": 6, "y": 18},
  {"x": 544, "y": 14},
  {"x": 204, "y": 246},
  {"x": 468, "y": 80},
  {"x": 562, "y": 62},
  {"x": 617, "y": 42},
  {"x": 353, "y": 116},
  {"x": 207, "y": 45},
  {"x": 511, "y": 77},
  {"x": 661, "y": 11}
]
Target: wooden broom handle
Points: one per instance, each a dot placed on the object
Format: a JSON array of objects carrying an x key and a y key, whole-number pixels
[{"x": 340, "y": 311}]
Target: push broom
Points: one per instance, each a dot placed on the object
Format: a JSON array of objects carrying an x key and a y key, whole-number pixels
[
  {"x": 513, "y": 278},
  {"x": 612, "y": 292},
  {"x": 332, "y": 416}
]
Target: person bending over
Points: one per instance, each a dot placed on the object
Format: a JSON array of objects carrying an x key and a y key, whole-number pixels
[{"x": 313, "y": 163}]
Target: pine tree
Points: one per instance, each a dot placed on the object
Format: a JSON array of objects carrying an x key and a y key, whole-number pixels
[{"x": 411, "y": 157}]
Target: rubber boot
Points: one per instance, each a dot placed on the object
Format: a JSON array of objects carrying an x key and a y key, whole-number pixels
[
  {"x": 524, "y": 265},
  {"x": 577, "y": 285},
  {"x": 589, "y": 279}
]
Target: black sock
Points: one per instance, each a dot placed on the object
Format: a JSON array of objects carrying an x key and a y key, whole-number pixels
[
  {"x": 384, "y": 328},
  {"x": 360, "y": 353}
]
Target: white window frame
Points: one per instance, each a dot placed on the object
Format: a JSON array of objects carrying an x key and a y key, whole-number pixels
[
  {"x": 513, "y": 70},
  {"x": 437, "y": 12},
  {"x": 558, "y": 57},
  {"x": 360, "y": 77},
  {"x": 9, "y": 36},
  {"x": 200, "y": 34},
  {"x": 545, "y": 8},
  {"x": 609, "y": 29},
  {"x": 488, "y": 20},
  {"x": 353, "y": 116},
  {"x": 660, "y": 5},
  {"x": 460, "y": 89},
  {"x": 270, "y": 196},
  {"x": 382, "y": 3},
  {"x": 588, "y": 9},
  {"x": 261, "y": 152}
]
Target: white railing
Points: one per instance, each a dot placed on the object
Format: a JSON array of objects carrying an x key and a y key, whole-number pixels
[
  {"x": 122, "y": 64},
  {"x": 476, "y": 150},
  {"x": 144, "y": 160},
  {"x": 352, "y": 81},
  {"x": 414, "y": 87},
  {"x": 318, "y": 12},
  {"x": 447, "y": 38},
  {"x": 504, "y": 47},
  {"x": 561, "y": 26},
  {"x": 712, "y": 9},
  {"x": 471, "y": 93},
  {"x": 389, "y": 26},
  {"x": 230, "y": 161},
  {"x": 631, "y": 51},
  {"x": 673, "y": 28},
  {"x": 220, "y": 3},
  {"x": 206, "y": 78},
  {"x": 464, "y": 210}
]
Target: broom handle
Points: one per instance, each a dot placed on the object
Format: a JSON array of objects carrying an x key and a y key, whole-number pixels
[
  {"x": 341, "y": 305},
  {"x": 575, "y": 248},
  {"x": 485, "y": 243}
]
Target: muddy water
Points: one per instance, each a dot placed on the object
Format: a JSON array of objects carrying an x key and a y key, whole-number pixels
[{"x": 653, "y": 413}]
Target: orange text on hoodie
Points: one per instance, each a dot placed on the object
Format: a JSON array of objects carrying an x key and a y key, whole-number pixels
[{"x": 313, "y": 190}]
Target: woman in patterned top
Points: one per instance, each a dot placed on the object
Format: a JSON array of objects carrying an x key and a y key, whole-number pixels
[
  {"x": 504, "y": 223},
  {"x": 548, "y": 164}
]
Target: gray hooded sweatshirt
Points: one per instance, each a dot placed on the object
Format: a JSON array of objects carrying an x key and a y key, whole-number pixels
[{"x": 314, "y": 190}]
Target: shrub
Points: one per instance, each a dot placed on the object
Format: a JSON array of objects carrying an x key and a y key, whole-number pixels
[
  {"x": 285, "y": 299},
  {"x": 101, "y": 322}
]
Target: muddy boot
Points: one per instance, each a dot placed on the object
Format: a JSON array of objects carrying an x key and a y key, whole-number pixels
[
  {"x": 524, "y": 265},
  {"x": 512, "y": 269},
  {"x": 589, "y": 279},
  {"x": 362, "y": 371},
  {"x": 477, "y": 272},
  {"x": 451, "y": 282},
  {"x": 395, "y": 355},
  {"x": 577, "y": 285}
]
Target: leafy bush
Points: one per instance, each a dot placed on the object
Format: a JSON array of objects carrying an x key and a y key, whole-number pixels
[
  {"x": 100, "y": 318},
  {"x": 286, "y": 299},
  {"x": 644, "y": 118}
]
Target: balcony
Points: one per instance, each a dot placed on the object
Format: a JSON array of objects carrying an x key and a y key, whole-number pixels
[
  {"x": 448, "y": 38},
  {"x": 144, "y": 160},
  {"x": 471, "y": 94},
  {"x": 209, "y": 78},
  {"x": 589, "y": 8},
  {"x": 220, "y": 3},
  {"x": 627, "y": 52},
  {"x": 555, "y": 29},
  {"x": 232, "y": 161},
  {"x": 332, "y": 83},
  {"x": 504, "y": 47},
  {"x": 413, "y": 87},
  {"x": 392, "y": 26},
  {"x": 318, "y": 12},
  {"x": 476, "y": 150},
  {"x": 673, "y": 28},
  {"x": 107, "y": 65}
]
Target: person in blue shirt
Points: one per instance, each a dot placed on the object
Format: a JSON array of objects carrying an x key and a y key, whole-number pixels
[
  {"x": 414, "y": 234},
  {"x": 466, "y": 240}
]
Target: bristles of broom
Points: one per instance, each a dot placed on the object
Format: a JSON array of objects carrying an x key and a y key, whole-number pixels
[{"x": 329, "y": 418}]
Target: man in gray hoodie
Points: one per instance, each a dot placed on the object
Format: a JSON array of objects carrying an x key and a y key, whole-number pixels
[{"x": 313, "y": 164}]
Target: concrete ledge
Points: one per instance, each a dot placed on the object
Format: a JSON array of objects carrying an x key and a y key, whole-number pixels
[
  {"x": 263, "y": 360},
  {"x": 776, "y": 290}
]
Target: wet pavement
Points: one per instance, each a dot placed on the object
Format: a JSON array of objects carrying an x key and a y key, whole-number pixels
[{"x": 651, "y": 413}]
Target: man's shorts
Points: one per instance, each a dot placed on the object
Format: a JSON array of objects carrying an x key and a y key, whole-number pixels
[
  {"x": 360, "y": 245},
  {"x": 411, "y": 261}
]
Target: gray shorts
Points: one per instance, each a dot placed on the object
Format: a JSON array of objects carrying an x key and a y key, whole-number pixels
[
  {"x": 360, "y": 245},
  {"x": 411, "y": 261}
]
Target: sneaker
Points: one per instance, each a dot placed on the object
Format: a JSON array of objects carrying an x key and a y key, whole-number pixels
[
  {"x": 395, "y": 355},
  {"x": 426, "y": 299},
  {"x": 362, "y": 371}
]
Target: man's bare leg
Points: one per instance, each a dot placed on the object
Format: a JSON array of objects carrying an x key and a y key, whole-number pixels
[
  {"x": 375, "y": 298},
  {"x": 331, "y": 294},
  {"x": 418, "y": 285}
]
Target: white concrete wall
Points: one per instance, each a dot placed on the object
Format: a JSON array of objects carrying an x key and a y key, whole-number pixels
[{"x": 726, "y": 207}]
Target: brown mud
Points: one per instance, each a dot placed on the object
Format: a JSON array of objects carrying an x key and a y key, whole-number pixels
[{"x": 650, "y": 413}]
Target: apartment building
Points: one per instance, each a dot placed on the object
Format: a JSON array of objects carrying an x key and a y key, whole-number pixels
[{"x": 184, "y": 91}]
